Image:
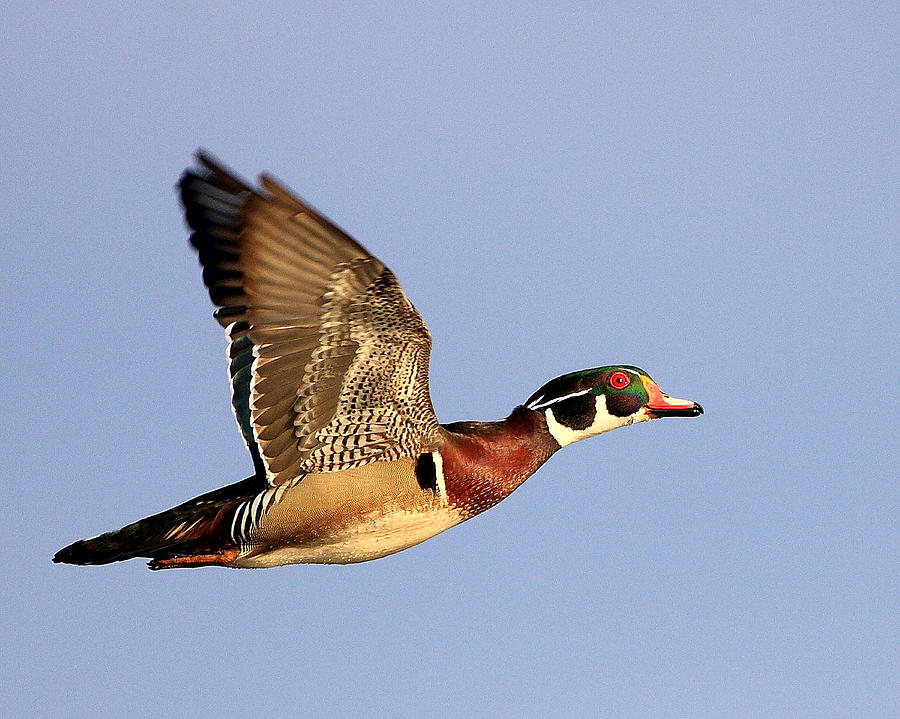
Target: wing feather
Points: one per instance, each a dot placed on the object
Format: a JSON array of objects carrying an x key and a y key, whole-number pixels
[{"x": 328, "y": 358}]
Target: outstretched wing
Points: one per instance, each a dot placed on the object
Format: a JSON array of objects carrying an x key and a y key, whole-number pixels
[{"x": 328, "y": 359}]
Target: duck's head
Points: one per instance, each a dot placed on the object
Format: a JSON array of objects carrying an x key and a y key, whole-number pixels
[{"x": 582, "y": 404}]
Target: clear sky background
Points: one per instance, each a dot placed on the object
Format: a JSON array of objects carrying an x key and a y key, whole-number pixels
[{"x": 709, "y": 192}]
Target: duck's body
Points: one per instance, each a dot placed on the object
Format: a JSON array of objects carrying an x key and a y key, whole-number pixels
[
  {"x": 328, "y": 362},
  {"x": 350, "y": 516}
]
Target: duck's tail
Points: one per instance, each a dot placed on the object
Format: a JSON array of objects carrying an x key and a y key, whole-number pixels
[{"x": 195, "y": 533}]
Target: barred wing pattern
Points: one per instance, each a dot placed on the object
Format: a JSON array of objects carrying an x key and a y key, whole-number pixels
[{"x": 328, "y": 358}]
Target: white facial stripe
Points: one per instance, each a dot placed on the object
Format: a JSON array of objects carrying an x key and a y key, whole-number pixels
[{"x": 538, "y": 404}]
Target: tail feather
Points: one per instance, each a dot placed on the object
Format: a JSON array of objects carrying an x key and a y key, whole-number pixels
[{"x": 199, "y": 526}]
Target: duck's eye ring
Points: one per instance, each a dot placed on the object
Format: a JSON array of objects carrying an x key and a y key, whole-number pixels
[{"x": 619, "y": 380}]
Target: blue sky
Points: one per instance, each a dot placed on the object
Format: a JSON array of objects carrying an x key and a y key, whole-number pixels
[{"x": 710, "y": 193}]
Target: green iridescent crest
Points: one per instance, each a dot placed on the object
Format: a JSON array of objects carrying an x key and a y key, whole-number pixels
[{"x": 608, "y": 380}]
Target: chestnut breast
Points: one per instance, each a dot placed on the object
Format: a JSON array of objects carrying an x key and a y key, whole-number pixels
[{"x": 483, "y": 462}]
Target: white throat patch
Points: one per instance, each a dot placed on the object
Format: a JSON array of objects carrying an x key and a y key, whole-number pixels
[{"x": 603, "y": 422}]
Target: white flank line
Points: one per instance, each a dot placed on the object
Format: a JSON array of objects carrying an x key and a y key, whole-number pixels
[
  {"x": 255, "y": 507},
  {"x": 234, "y": 523}
]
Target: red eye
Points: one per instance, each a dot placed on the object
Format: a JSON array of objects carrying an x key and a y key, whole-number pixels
[{"x": 619, "y": 380}]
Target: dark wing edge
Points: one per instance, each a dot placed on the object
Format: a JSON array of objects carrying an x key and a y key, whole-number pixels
[{"x": 212, "y": 198}]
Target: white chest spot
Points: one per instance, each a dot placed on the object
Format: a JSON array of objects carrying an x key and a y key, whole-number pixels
[{"x": 439, "y": 476}]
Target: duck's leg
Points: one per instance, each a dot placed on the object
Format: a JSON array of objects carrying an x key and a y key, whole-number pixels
[{"x": 219, "y": 559}]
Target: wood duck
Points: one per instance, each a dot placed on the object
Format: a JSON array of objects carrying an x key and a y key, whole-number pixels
[{"x": 328, "y": 362}]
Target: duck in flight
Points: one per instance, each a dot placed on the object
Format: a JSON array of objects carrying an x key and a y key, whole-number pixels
[{"x": 328, "y": 362}]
